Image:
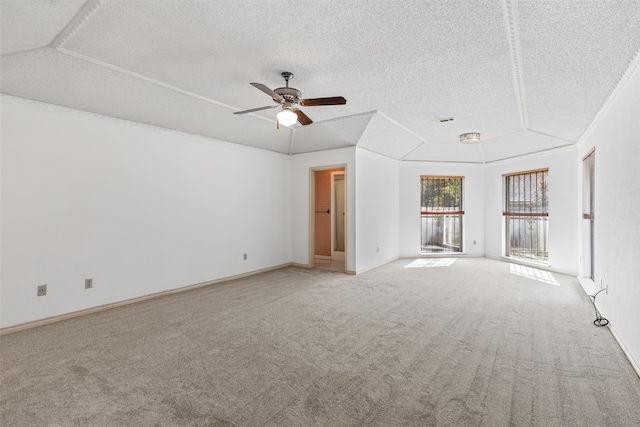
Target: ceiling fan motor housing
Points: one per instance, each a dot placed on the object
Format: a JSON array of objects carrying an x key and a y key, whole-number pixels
[{"x": 289, "y": 94}]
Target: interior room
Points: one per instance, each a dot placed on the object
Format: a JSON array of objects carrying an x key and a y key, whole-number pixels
[{"x": 146, "y": 156}]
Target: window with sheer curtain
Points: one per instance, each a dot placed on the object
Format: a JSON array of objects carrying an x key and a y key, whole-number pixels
[
  {"x": 526, "y": 215},
  {"x": 441, "y": 214}
]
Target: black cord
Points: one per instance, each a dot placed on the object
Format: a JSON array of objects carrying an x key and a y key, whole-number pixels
[{"x": 600, "y": 321}]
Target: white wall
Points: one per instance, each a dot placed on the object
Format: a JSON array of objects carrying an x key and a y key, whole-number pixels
[
  {"x": 138, "y": 209},
  {"x": 301, "y": 164},
  {"x": 473, "y": 202},
  {"x": 377, "y": 216},
  {"x": 616, "y": 138},
  {"x": 563, "y": 199},
  {"x": 142, "y": 210}
]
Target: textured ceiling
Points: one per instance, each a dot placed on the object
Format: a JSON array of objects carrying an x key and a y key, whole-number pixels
[{"x": 527, "y": 75}]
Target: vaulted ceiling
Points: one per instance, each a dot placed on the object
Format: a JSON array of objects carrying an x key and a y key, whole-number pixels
[{"x": 528, "y": 75}]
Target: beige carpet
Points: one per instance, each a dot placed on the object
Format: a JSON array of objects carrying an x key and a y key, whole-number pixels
[{"x": 465, "y": 342}]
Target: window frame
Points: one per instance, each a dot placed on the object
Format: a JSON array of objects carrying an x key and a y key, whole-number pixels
[
  {"x": 444, "y": 212},
  {"x": 509, "y": 213}
]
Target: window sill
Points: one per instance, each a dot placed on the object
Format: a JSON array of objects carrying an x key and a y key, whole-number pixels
[
  {"x": 525, "y": 262},
  {"x": 440, "y": 254}
]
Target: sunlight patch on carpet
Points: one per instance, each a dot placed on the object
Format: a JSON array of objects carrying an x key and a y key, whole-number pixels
[
  {"x": 431, "y": 262},
  {"x": 533, "y": 273}
]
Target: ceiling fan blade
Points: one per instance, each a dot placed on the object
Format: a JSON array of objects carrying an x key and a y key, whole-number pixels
[
  {"x": 255, "y": 109},
  {"x": 312, "y": 102},
  {"x": 268, "y": 91},
  {"x": 303, "y": 119}
]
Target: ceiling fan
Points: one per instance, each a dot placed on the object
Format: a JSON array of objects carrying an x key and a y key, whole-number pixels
[{"x": 287, "y": 98}]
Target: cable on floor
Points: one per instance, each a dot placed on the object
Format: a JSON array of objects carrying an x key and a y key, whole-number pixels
[{"x": 600, "y": 321}]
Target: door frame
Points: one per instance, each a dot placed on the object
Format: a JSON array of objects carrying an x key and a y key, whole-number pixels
[
  {"x": 333, "y": 217},
  {"x": 312, "y": 196},
  {"x": 588, "y": 220}
]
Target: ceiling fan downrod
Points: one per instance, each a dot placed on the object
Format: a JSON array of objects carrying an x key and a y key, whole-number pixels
[{"x": 286, "y": 75}]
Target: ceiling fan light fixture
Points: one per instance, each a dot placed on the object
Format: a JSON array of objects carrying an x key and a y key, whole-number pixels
[
  {"x": 287, "y": 98},
  {"x": 470, "y": 138},
  {"x": 286, "y": 117}
]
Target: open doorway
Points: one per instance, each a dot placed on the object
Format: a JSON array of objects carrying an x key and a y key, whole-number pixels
[{"x": 327, "y": 234}]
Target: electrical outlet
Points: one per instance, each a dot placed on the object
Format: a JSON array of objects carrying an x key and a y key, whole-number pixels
[
  {"x": 88, "y": 283},
  {"x": 244, "y": 256},
  {"x": 474, "y": 243},
  {"x": 378, "y": 249},
  {"x": 42, "y": 290}
]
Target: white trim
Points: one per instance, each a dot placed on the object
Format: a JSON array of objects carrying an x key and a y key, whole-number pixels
[
  {"x": 384, "y": 156},
  {"x": 26, "y": 51},
  {"x": 511, "y": 19},
  {"x": 404, "y": 128},
  {"x": 372, "y": 267},
  {"x": 539, "y": 266},
  {"x": 544, "y": 152},
  {"x": 45, "y": 105},
  {"x": 85, "y": 13},
  {"x": 97, "y": 309},
  {"x": 155, "y": 82},
  {"x": 445, "y": 255},
  {"x": 342, "y": 168},
  {"x": 588, "y": 285},
  {"x": 604, "y": 108},
  {"x": 632, "y": 362},
  {"x": 298, "y": 265},
  {"x": 350, "y": 116},
  {"x": 551, "y": 136},
  {"x": 442, "y": 163},
  {"x": 348, "y": 149},
  {"x": 337, "y": 255}
]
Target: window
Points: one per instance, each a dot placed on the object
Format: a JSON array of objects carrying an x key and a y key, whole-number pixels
[
  {"x": 441, "y": 214},
  {"x": 527, "y": 215}
]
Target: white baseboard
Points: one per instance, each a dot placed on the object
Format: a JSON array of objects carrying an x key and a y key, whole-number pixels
[
  {"x": 539, "y": 266},
  {"x": 297, "y": 264},
  {"x": 373, "y": 266},
  {"x": 91, "y": 310},
  {"x": 633, "y": 363}
]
